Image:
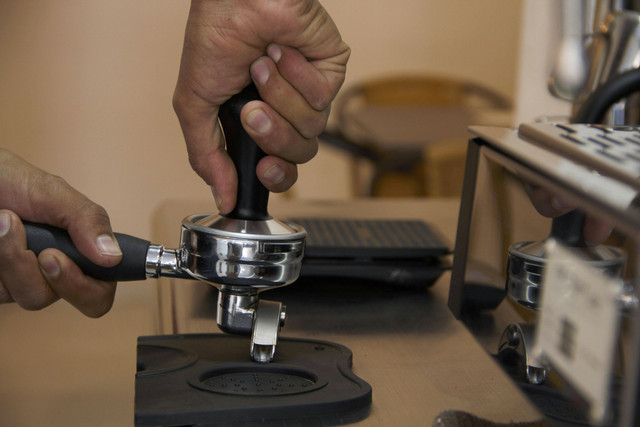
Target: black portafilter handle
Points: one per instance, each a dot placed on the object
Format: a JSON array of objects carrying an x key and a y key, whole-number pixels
[
  {"x": 134, "y": 253},
  {"x": 253, "y": 197},
  {"x": 569, "y": 228}
]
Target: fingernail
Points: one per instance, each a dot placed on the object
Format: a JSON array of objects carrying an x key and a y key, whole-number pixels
[
  {"x": 274, "y": 174},
  {"x": 108, "y": 246},
  {"x": 49, "y": 266},
  {"x": 5, "y": 224},
  {"x": 216, "y": 197},
  {"x": 259, "y": 121},
  {"x": 260, "y": 72},
  {"x": 274, "y": 52}
]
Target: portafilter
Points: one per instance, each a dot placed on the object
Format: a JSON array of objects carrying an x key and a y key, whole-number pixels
[
  {"x": 242, "y": 253},
  {"x": 526, "y": 260}
]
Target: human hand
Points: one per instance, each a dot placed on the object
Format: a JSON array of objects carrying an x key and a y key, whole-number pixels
[
  {"x": 294, "y": 54},
  {"x": 31, "y": 194},
  {"x": 595, "y": 230}
]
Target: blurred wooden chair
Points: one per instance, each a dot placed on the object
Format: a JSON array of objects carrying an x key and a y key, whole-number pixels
[{"x": 406, "y": 134}]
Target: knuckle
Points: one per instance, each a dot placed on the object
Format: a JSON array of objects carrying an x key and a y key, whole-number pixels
[
  {"x": 314, "y": 126},
  {"x": 320, "y": 102},
  {"x": 35, "y": 301},
  {"x": 177, "y": 103},
  {"x": 102, "y": 303},
  {"x": 53, "y": 184},
  {"x": 198, "y": 166},
  {"x": 322, "y": 98},
  {"x": 88, "y": 214},
  {"x": 94, "y": 212},
  {"x": 312, "y": 149}
]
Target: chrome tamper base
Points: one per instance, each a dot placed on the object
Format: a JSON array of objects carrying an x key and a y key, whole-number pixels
[
  {"x": 246, "y": 251},
  {"x": 526, "y": 262},
  {"x": 241, "y": 253}
]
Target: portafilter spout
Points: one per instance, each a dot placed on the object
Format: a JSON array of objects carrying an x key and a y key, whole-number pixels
[{"x": 242, "y": 253}]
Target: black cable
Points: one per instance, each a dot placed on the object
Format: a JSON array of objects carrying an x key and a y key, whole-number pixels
[{"x": 597, "y": 104}]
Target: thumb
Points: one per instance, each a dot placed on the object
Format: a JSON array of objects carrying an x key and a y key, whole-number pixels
[{"x": 35, "y": 195}]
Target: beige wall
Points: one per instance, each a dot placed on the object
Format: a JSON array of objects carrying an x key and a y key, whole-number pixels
[
  {"x": 86, "y": 85},
  {"x": 539, "y": 37},
  {"x": 86, "y": 92}
]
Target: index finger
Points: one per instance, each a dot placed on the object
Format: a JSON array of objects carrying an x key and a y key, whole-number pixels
[{"x": 205, "y": 147}]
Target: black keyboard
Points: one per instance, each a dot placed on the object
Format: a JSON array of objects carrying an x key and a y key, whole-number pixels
[
  {"x": 359, "y": 238},
  {"x": 409, "y": 253}
]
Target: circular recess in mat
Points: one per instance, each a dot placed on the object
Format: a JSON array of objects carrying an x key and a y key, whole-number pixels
[
  {"x": 257, "y": 380},
  {"x": 153, "y": 360}
]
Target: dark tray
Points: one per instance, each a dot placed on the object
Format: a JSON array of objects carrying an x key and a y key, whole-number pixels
[{"x": 209, "y": 379}]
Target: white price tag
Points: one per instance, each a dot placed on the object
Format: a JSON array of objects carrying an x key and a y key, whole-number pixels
[{"x": 578, "y": 325}]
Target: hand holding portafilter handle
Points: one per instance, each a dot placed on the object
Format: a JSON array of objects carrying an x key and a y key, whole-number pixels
[{"x": 134, "y": 253}]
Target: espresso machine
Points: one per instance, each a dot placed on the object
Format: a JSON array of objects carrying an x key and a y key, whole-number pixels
[
  {"x": 596, "y": 58},
  {"x": 596, "y": 70},
  {"x": 600, "y": 41}
]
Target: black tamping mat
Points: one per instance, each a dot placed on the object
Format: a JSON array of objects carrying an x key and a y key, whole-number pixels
[{"x": 209, "y": 379}]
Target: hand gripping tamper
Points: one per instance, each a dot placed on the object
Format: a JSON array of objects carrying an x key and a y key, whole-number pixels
[
  {"x": 246, "y": 251},
  {"x": 242, "y": 253}
]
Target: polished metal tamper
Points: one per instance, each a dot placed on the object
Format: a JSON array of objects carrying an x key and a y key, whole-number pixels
[
  {"x": 242, "y": 253},
  {"x": 246, "y": 251}
]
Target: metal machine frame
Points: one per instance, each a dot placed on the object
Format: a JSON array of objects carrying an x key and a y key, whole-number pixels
[{"x": 503, "y": 147}]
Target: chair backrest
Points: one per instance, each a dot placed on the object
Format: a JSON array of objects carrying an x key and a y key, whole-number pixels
[
  {"x": 412, "y": 129},
  {"x": 407, "y": 96},
  {"x": 419, "y": 91}
]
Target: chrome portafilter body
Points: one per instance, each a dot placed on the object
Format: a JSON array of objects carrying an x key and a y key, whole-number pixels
[
  {"x": 241, "y": 258},
  {"x": 244, "y": 256},
  {"x": 526, "y": 262}
]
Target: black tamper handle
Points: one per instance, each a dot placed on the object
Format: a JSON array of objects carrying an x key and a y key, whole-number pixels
[
  {"x": 569, "y": 228},
  {"x": 253, "y": 197},
  {"x": 134, "y": 253}
]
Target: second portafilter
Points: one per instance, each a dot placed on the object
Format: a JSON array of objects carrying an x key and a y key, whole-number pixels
[{"x": 526, "y": 260}]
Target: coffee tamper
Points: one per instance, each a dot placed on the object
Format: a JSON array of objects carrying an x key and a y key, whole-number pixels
[
  {"x": 247, "y": 251},
  {"x": 242, "y": 253},
  {"x": 525, "y": 267}
]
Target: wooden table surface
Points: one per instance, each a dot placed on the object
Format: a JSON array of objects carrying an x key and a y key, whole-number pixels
[{"x": 58, "y": 368}]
